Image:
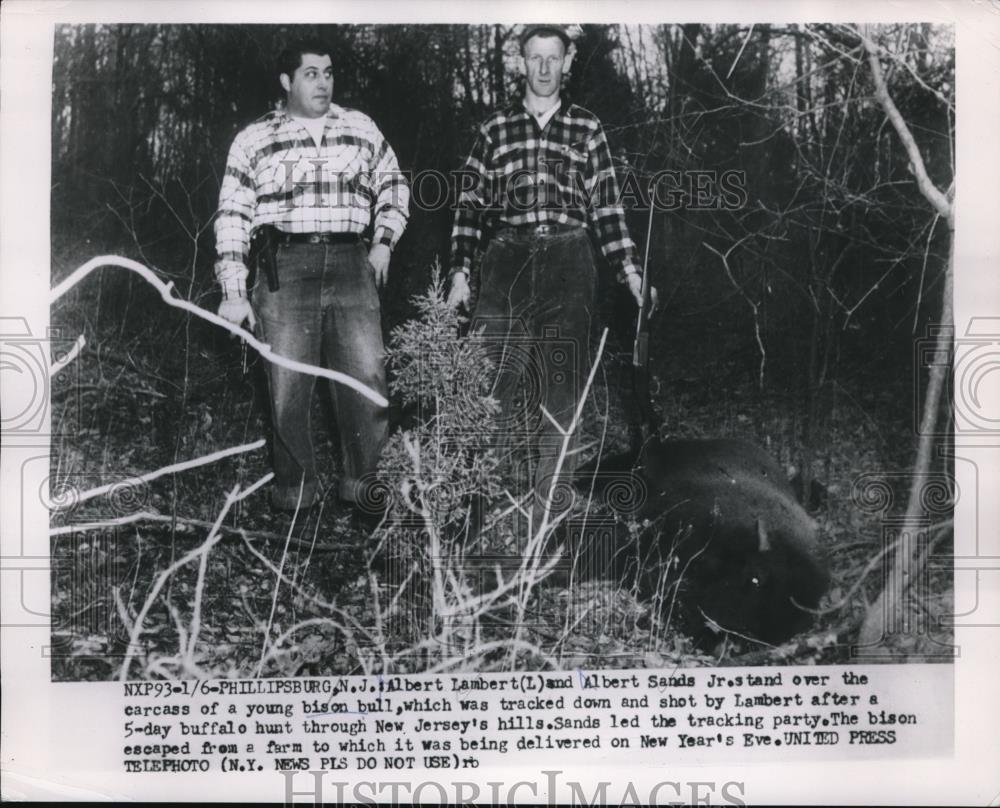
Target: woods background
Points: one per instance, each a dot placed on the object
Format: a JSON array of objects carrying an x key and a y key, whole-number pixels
[{"x": 791, "y": 320}]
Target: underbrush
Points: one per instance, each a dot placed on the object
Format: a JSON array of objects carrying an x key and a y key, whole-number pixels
[{"x": 191, "y": 575}]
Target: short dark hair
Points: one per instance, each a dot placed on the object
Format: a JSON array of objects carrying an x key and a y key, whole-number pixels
[{"x": 290, "y": 59}]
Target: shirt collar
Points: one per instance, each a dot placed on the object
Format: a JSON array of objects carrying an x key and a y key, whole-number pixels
[
  {"x": 546, "y": 116},
  {"x": 517, "y": 107},
  {"x": 281, "y": 115}
]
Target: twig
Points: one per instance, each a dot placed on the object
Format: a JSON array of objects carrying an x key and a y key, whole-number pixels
[
  {"x": 567, "y": 435},
  {"x": 135, "y": 633},
  {"x": 755, "y": 307},
  {"x": 148, "y": 516},
  {"x": 743, "y": 47},
  {"x": 901, "y": 61},
  {"x": 277, "y": 584},
  {"x": 515, "y": 505},
  {"x": 188, "y": 656},
  {"x": 204, "y": 460},
  {"x": 929, "y": 190},
  {"x": 532, "y": 565}
]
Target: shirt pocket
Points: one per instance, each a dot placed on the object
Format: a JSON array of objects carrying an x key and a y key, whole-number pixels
[
  {"x": 508, "y": 158},
  {"x": 574, "y": 158},
  {"x": 571, "y": 173},
  {"x": 286, "y": 178},
  {"x": 344, "y": 173}
]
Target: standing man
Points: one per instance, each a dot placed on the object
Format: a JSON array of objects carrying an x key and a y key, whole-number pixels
[
  {"x": 538, "y": 187},
  {"x": 306, "y": 183}
]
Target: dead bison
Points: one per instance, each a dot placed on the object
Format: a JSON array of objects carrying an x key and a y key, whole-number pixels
[{"x": 721, "y": 541}]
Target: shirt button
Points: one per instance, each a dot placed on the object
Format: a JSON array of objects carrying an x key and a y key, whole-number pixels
[{"x": 323, "y": 202}]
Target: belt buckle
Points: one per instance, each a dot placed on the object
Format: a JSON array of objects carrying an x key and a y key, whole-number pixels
[
  {"x": 315, "y": 238},
  {"x": 545, "y": 230}
]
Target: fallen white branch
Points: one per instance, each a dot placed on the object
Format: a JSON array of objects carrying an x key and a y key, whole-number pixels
[
  {"x": 166, "y": 292},
  {"x": 187, "y": 464},
  {"x": 69, "y": 357},
  {"x": 162, "y": 519},
  {"x": 138, "y": 516},
  {"x": 149, "y": 516},
  {"x": 259, "y": 484}
]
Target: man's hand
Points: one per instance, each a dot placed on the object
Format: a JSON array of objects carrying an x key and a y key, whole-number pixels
[
  {"x": 458, "y": 297},
  {"x": 378, "y": 257},
  {"x": 237, "y": 309},
  {"x": 634, "y": 283}
]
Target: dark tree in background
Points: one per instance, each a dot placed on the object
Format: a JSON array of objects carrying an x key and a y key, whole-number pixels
[
  {"x": 790, "y": 303},
  {"x": 143, "y": 116}
]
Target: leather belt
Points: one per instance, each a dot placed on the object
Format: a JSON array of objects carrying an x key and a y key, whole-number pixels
[
  {"x": 318, "y": 238},
  {"x": 537, "y": 229}
]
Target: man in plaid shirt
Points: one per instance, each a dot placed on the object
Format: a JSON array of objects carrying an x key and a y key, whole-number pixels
[
  {"x": 537, "y": 189},
  {"x": 322, "y": 176}
]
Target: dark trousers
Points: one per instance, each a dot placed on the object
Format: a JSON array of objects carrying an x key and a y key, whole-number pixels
[
  {"x": 535, "y": 306},
  {"x": 326, "y": 311}
]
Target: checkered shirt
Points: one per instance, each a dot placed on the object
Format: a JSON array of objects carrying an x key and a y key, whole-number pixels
[
  {"x": 276, "y": 175},
  {"x": 518, "y": 174}
]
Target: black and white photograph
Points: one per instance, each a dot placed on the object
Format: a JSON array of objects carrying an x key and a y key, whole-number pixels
[
  {"x": 573, "y": 362},
  {"x": 493, "y": 347}
]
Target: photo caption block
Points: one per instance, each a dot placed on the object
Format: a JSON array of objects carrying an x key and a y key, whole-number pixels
[{"x": 468, "y": 721}]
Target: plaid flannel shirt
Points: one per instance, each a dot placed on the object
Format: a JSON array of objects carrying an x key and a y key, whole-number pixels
[
  {"x": 518, "y": 174},
  {"x": 276, "y": 175}
]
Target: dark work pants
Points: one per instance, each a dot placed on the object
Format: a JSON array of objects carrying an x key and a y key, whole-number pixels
[
  {"x": 326, "y": 312},
  {"x": 536, "y": 302}
]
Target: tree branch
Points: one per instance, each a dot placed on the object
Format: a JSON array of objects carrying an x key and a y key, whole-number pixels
[
  {"x": 930, "y": 191},
  {"x": 183, "y": 466},
  {"x": 166, "y": 292}
]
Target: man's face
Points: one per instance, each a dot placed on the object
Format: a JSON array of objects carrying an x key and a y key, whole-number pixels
[
  {"x": 545, "y": 61},
  {"x": 310, "y": 88}
]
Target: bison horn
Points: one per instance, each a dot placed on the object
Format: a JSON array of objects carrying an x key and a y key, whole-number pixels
[{"x": 763, "y": 545}]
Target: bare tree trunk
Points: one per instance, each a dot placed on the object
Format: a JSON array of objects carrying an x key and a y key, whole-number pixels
[
  {"x": 499, "y": 85},
  {"x": 465, "y": 75},
  {"x": 684, "y": 66},
  {"x": 801, "y": 86},
  {"x": 886, "y": 613}
]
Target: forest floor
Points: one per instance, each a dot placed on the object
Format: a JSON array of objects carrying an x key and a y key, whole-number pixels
[{"x": 275, "y": 597}]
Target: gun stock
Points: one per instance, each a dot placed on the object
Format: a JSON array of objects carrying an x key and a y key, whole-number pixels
[{"x": 649, "y": 419}]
